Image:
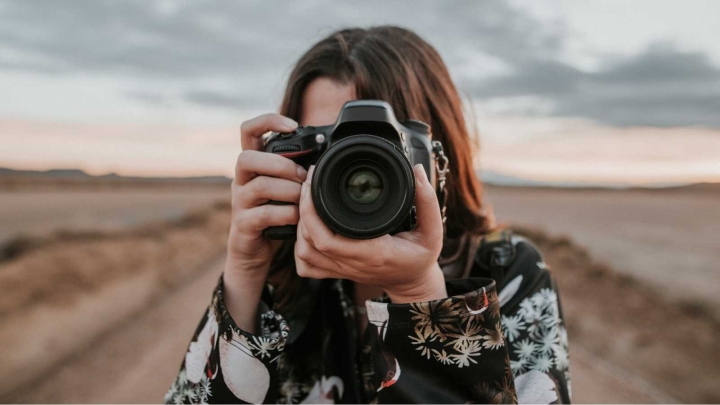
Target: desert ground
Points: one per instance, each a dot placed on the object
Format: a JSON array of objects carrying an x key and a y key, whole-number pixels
[
  {"x": 102, "y": 288},
  {"x": 668, "y": 239}
]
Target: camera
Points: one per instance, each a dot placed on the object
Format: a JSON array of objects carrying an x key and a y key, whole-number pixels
[{"x": 363, "y": 185}]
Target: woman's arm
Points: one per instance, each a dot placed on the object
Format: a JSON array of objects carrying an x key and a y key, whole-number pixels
[
  {"x": 534, "y": 328},
  {"x": 227, "y": 364},
  {"x": 450, "y": 350},
  {"x": 477, "y": 345},
  {"x": 231, "y": 357}
]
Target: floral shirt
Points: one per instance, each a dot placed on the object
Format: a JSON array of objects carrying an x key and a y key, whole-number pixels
[{"x": 480, "y": 345}]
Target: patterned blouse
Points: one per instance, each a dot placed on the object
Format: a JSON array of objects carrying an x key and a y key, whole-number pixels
[{"x": 483, "y": 344}]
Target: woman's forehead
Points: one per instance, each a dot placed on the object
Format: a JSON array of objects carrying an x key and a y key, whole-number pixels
[{"x": 322, "y": 100}]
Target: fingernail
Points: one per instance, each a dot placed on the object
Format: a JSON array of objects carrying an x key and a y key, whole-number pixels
[
  {"x": 289, "y": 123},
  {"x": 301, "y": 173},
  {"x": 420, "y": 173}
]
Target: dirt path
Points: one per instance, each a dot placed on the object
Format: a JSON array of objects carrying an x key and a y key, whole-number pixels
[
  {"x": 29, "y": 212},
  {"x": 136, "y": 361}
]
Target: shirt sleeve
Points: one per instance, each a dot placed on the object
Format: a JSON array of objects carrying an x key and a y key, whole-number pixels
[
  {"x": 534, "y": 328},
  {"x": 450, "y": 350},
  {"x": 225, "y": 364}
]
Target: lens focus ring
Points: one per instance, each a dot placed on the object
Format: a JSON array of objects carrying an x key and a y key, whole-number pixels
[{"x": 363, "y": 187}]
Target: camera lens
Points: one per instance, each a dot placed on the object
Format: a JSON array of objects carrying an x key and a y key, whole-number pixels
[{"x": 364, "y": 186}]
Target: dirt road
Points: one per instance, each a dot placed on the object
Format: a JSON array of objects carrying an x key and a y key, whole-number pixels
[
  {"x": 40, "y": 212},
  {"x": 136, "y": 361}
]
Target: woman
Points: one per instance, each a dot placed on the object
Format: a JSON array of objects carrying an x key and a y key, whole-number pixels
[{"x": 332, "y": 319}]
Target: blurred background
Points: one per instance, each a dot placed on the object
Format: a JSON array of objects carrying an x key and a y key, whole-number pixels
[{"x": 599, "y": 132}]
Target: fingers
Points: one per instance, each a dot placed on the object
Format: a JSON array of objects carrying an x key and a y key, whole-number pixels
[
  {"x": 312, "y": 222},
  {"x": 429, "y": 221},
  {"x": 310, "y": 262},
  {"x": 252, "y": 130},
  {"x": 262, "y": 189},
  {"x": 325, "y": 240},
  {"x": 258, "y": 218},
  {"x": 251, "y": 163}
]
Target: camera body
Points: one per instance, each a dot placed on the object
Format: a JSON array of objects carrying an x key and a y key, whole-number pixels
[{"x": 363, "y": 185}]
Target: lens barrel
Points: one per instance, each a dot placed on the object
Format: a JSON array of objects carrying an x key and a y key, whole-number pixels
[{"x": 363, "y": 187}]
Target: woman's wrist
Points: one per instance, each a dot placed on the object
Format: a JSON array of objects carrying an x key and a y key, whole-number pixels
[
  {"x": 242, "y": 289},
  {"x": 430, "y": 288}
]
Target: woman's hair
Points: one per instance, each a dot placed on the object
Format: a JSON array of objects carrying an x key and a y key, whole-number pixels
[{"x": 395, "y": 65}]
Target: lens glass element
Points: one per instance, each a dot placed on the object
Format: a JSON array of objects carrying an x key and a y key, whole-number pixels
[{"x": 364, "y": 186}]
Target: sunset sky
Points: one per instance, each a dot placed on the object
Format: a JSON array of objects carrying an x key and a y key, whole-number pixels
[{"x": 593, "y": 91}]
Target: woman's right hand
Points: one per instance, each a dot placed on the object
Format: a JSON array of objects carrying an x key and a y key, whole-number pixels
[{"x": 259, "y": 178}]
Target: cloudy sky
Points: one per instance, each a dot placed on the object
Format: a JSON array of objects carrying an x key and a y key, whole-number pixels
[{"x": 598, "y": 91}]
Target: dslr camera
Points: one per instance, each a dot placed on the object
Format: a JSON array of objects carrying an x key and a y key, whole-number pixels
[{"x": 363, "y": 185}]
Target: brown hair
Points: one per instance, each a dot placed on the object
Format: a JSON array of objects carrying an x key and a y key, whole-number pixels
[{"x": 395, "y": 65}]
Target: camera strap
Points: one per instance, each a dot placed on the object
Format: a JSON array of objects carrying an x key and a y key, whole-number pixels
[{"x": 442, "y": 168}]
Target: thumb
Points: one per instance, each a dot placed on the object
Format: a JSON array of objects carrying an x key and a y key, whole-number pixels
[{"x": 429, "y": 221}]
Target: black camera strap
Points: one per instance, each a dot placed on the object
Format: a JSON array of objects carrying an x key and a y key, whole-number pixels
[{"x": 442, "y": 168}]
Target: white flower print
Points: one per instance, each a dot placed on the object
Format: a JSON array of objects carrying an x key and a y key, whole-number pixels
[
  {"x": 262, "y": 345},
  {"x": 170, "y": 395},
  {"x": 204, "y": 390},
  {"x": 545, "y": 344},
  {"x": 550, "y": 320},
  {"x": 183, "y": 390},
  {"x": 535, "y": 322},
  {"x": 525, "y": 349},
  {"x": 547, "y": 341},
  {"x": 519, "y": 366},
  {"x": 544, "y": 299},
  {"x": 528, "y": 310},
  {"x": 562, "y": 360},
  {"x": 191, "y": 395},
  {"x": 542, "y": 363},
  {"x": 512, "y": 326},
  {"x": 178, "y": 398},
  {"x": 563, "y": 335}
]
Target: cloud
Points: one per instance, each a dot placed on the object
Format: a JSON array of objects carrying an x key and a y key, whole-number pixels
[
  {"x": 662, "y": 86},
  {"x": 215, "y": 99},
  {"x": 235, "y": 54}
]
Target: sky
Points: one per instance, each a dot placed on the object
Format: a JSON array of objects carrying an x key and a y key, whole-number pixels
[{"x": 603, "y": 92}]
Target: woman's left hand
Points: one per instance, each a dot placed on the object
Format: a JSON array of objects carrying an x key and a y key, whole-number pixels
[{"x": 404, "y": 265}]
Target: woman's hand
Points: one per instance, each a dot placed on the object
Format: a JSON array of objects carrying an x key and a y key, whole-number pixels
[
  {"x": 404, "y": 265},
  {"x": 259, "y": 178}
]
